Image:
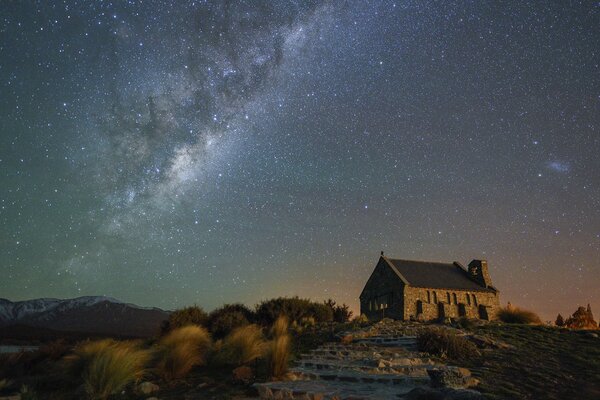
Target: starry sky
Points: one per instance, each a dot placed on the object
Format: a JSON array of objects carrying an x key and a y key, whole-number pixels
[{"x": 168, "y": 153}]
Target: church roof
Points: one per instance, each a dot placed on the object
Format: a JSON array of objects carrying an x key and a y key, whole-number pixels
[{"x": 435, "y": 275}]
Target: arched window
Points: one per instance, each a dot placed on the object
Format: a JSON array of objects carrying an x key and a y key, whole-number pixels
[
  {"x": 468, "y": 299},
  {"x": 455, "y": 299},
  {"x": 435, "y": 297},
  {"x": 475, "y": 299},
  {"x": 428, "y": 296},
  {"x": 448, "y": 297}
]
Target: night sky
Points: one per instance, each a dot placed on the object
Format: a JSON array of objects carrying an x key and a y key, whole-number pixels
[{"x": 168, "y": 153}]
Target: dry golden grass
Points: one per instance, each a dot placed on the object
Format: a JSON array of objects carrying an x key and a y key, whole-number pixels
[
  {"x": 181, "y": 350},
  {"x": 243, "y": 345},
  {"x": 280, "y": 326},
  {"x": 515, "y": 315},
  {"x": 279, "y": 349},
  {"x": 108, "y": 366},
  {"x": 444, "y": 343}
]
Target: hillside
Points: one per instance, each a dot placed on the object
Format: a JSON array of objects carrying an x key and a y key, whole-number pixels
[{"x": 90, "y": 314}]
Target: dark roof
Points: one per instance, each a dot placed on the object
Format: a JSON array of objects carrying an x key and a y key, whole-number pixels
[{"x": 435, "y": 275}]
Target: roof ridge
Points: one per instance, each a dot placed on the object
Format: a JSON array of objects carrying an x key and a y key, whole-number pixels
[{"x": 422, "y": 261}]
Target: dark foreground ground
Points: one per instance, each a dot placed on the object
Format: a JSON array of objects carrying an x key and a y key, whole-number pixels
[{"x": 536, "y": 362}]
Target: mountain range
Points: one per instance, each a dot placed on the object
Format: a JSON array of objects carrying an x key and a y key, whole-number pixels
[{"x": 88, "y": 314}]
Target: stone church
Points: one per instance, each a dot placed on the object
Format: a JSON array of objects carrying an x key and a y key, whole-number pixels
[{"x": 404, "y": 289}]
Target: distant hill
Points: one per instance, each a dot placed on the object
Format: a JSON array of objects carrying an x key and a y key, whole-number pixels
[{"x": 90, "y": 314}]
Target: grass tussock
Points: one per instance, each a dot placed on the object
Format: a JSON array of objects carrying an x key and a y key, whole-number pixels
[
  {"x": 108, "y": 366},
  {"x": 515, "y": 315},
  {"x": 181, "y": 350},
  {"x": 446, "y": 344},
  {"x": 279, "y": 349},
  {"x": 242, "y": 345}
]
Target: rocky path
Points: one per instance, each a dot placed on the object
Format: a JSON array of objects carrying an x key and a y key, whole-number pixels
[{"x": 375, "y": 367}]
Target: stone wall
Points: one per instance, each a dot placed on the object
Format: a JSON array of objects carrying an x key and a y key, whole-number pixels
[
  {"x": 431, "y": 304},
  {"x": 385, "y": 288}
]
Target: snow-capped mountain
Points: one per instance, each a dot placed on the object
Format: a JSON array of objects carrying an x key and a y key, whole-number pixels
[{"x": 97, "y": 314}]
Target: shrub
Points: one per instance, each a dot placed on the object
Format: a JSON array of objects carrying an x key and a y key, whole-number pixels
[
  {"x": 107, "y": 366},
  {"x": 54, "y": 350},
  {"x": 225, "y": 319},
  {"x": 515, "y": 315},
  {"x": 361, "y": 319},
  {"x": 192, "y": 315},
  {"x": 181, "y": 350},
  {"x": 341, "y": 313},
  {"x": 294, "y": 308},
  {"x": 243, "y": 345},
  {"x": 279, "y": 348},
  {"x": 444, "y": 343},
  {"x": 559, "y": 321}
]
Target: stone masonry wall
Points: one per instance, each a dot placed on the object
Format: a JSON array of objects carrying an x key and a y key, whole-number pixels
[
  {"x": 431, "y": 304},
  {"x": 383, "y": 287}
]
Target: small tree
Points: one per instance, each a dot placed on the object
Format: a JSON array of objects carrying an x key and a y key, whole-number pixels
[
  {"x": 559, "y": 321},
  {"x": 582, "y": 318}
]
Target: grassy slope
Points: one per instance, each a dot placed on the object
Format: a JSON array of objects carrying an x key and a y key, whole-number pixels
[{"x": 545, "y": 363}]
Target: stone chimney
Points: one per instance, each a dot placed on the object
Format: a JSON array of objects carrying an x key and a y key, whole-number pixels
[{"x": 478, "y": 270}]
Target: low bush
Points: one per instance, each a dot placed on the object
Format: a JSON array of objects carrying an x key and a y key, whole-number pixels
[
  {"x": 192, "y": 315},
  {"x": 242, "y": 345},
  {"x": 445, "y": 343},
  {"x": 181, "y": 350},
  {"x": 108, "y": 366},
  {"x": 294, "y": 308},
  {"x": 515, "y": 315},
  {"x": 224, "y": 320}
]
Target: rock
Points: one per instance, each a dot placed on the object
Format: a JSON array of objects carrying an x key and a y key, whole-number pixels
[
  {"x": 424, "y": 393},
  {"x": 243, "y": 374},
  {"x": 147, "y": 387},
  {"x": 453, "y": 377},
  {"x": 264, "y": 392},
  {"x": 462, "y": 394},
  {"x": 486, "y": 342},
  {"x": 592, "y": 334}
]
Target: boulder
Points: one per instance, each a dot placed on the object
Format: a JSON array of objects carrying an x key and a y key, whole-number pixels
[
  {"x": 424, "y": 393},
  {"x": 147, "y": 387},
  {"x": 243, "y": 374},
  {"x": 452, "y": 377}
]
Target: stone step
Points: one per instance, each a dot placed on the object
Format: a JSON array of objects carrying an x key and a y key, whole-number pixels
[
  {"x": 370, "y": 351},
  {"x": 328, "y": 390},
  {"x": 353, "y": 376},
  {"x": 408, "y": 370}
]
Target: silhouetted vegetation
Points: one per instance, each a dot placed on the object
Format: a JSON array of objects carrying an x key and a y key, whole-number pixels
[
  {"x": 515, "y": 315},
  {"x": 294, "y": 308},
  {"x": 559, "y": 321},
  {"x": 192, "y": 315},
  {"x": 582, "y": 318},
  {"x": 224, "y": 320},
  {"x": 341, "y": 313}
]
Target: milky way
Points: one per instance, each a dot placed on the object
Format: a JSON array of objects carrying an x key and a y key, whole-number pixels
[{"x": 170, "y": 153}]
